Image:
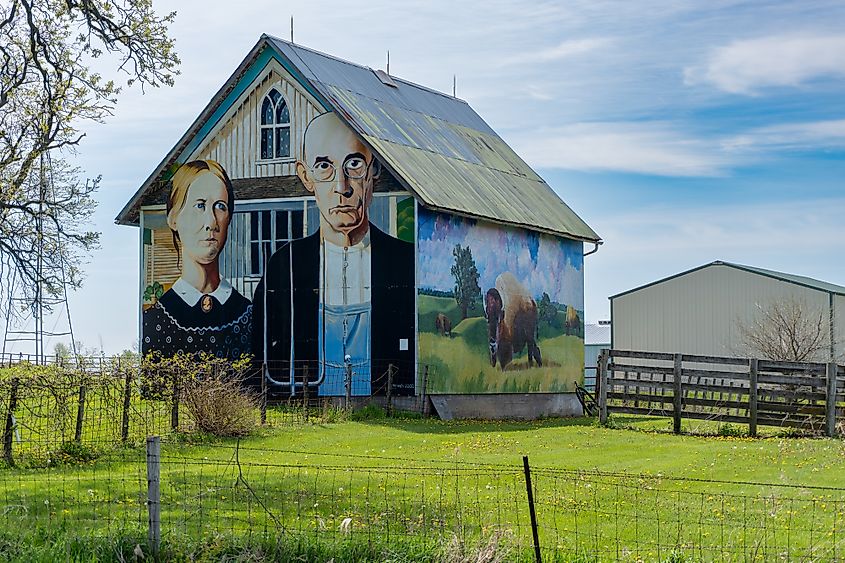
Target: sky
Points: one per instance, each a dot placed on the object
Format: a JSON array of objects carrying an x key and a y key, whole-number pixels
[{"x": 681, "y": 131}]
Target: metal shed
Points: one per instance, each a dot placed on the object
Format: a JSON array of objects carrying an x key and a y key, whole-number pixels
[{"x": 701, "y": 311}]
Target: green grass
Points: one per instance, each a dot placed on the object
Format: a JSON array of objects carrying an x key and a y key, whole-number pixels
[
  {"x": 402, "y": 483},
  {"x": 461, "y": 363}
]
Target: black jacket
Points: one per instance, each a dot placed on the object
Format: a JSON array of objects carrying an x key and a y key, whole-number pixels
[{"x": 297, "y": 264}]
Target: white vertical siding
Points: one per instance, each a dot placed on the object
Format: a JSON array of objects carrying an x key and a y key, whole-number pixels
[
  {"x": 700, "y": 312},
  {"x": 839, "y": 327},
  {"x": 235, "y": 142}
]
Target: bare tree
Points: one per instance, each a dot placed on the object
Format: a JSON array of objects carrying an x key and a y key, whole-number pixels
[
  {"x": 47, "y": 89},
  {"x": 788, "y": 330}
]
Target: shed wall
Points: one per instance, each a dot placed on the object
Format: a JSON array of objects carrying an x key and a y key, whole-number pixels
[{"x": 701, "y": 312}]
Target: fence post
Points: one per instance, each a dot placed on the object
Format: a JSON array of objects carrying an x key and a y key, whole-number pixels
[
  {"x": 390, "y": 389},
  {"x": 174, "y": 407},
  {"x": 305, "y": 392},
  {"x": 601, "y": 381},
  {"x": 425, "y": 409},
  {"x": 80, "y": 413},
  {"x": 8, "y": 431},
  {"x": 263, "y": 403},
  {"x": 537, "y": 556},
  {"x": 677, "y": 398},
  {"x": 752, "y": 396},
  {"x": 154, "y": 492},
  {"x": 348, "y": 385},
  {"x": 830, "y": 403},
  {"x": 127, "y": 400}
]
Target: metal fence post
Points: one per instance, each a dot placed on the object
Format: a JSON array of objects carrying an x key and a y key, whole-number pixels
[
  {"x": 830, "y": 403},
  {"x": 602, "y": 378},
  {"x": 677, "y": 401},
  {"x": 174, "y": 407},
  {"x": 154, "y": 492},
  {"x": 263, "y": 404},
  {"x": 305, "y": 392},
  {"x": 127, "y": 400},
  {"x": 752, "y": 396},
  {"x": 537, "y": 556},
  {"x": 8, "y": 431},
  {"x": 425, "y": 407},
  {"x": 348, "y": 385}
]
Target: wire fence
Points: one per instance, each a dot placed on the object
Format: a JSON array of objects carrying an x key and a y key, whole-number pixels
[{"x": 373, "y": 505}]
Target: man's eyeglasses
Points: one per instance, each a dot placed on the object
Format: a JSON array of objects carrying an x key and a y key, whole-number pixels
[{"x": 354, "y": 168}]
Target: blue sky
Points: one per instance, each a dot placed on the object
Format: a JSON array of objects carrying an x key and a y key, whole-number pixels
[{"x": 682, "y": 131}]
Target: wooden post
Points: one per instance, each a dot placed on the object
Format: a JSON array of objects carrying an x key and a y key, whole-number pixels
[
  {"x": 80, "y": 413},
  {"x": 830, "y": 403},
  {"x": 534, "y": 533},
  {"x": 348, "y": 385},
  {"x": 677, "y": 399},
  {"x": 305, "y": 392},
  {"x": 174, "y": 406},
  {"x": 127, "y": 399},
  {"x": 752, "y": 396},
  {"x": 154, "y": 492},
  {"x": 602, "y": 381},
  {"x": 8, "y": 431},
  {"x": 425, "y": 408},
  {"x": 389, "y": 389}
]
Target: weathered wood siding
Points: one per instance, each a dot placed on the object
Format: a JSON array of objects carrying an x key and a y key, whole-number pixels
[{"x": 236, "y": 142}]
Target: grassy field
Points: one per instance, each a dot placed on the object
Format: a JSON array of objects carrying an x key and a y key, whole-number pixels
[
  {"x": 403, "y": 483},
  {"x": 461, "y": 363}
]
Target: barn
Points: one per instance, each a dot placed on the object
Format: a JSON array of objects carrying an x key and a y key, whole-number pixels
[
  {"x": 708, "y": 309},
  {"x": 352, "y": 230}
]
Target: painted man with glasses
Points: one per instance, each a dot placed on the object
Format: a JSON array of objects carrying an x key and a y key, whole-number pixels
[{"x": 341, "y": 299}]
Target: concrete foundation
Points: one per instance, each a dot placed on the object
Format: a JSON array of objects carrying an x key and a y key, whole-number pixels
[{"x": 525, "y": 406}]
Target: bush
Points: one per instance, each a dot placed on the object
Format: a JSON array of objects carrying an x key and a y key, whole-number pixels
[{"x": 217, "y": 400}]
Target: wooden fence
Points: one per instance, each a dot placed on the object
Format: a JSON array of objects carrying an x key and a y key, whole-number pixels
[{"x": 737, "y": 390}]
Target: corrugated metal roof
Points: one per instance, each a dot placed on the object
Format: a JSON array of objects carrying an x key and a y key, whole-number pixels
[
  {"x": 789, "y": 278},
  {"x": 596, "y": 334},
  {"x": 435, "y": 144},
  {"x": 448, "y": 156}
]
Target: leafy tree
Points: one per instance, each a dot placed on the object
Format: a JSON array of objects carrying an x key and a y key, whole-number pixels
[
  {"x": 546, "y": 311},
  {"x": 467, "y": 290},
  {"x": 47, "y": 90}
]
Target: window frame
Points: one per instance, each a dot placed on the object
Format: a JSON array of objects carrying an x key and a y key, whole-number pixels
[{"x": 274, "y": 127}]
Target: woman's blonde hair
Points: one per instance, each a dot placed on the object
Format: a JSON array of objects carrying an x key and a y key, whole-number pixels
[{"x": 182, "y": 180}]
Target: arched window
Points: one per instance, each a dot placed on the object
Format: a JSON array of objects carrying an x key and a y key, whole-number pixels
[{"x": 275, "y": 126}]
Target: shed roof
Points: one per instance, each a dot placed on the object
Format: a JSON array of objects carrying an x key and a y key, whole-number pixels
[
  {"x": 433, "y": 143},
  {"x": 595, "y": 335},
  {"x": 803, "y": 281}
]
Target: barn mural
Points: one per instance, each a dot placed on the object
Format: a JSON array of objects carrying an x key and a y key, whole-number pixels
[
  {"x": 333, "y": 270},
  {"x": 500, "y": 309}
]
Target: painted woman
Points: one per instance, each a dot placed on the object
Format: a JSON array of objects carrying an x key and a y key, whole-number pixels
[{"x": 201, "y": 312}]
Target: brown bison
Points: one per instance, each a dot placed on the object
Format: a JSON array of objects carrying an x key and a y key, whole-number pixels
[
  {"x": 511, "y": 321},
  {"x": 443, "y": 325}
]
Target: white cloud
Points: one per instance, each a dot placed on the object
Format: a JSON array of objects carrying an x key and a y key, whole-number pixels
[
  {"x": 746, "y": 66},
  {"x": 644, "y": 148},
  {"x": 790, "y": 136}
]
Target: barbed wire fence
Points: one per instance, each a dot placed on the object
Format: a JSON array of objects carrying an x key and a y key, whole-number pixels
[{"x": 168, "y": 497}]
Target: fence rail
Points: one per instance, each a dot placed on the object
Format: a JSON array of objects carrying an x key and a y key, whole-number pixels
[{"x": 753, "y": 392}]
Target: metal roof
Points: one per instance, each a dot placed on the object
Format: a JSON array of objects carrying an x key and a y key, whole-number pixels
[
  {"x": 596, "y": 334},
  {"x": 803, "y": 281},
  {"x": 433, "y": 143}
]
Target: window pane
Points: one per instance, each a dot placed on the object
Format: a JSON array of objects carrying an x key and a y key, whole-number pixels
[
  {"x": 267, "y": 112},
  {"x": 282, "y": 141},
  {"x": 255, "y": 259},
  {"x": 282, "y": 114},
  {"x": 267, "y": 143},
  {"x": 265, "y": 225},
  {"x": 274, "y": 94},
  {"x": 281, "y": 225},
  {"x": 253, "y": 226},
  {"x": 296, "y": 224}
]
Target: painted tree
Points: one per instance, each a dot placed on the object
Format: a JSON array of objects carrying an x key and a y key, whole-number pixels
[
  {"x": 467, "y": 290},
  {"x": 788, "y": 330},
  {"x": 546, "y": 310},
  {"x": 48, "y": 89}
]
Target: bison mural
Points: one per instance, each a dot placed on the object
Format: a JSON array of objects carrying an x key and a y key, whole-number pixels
[
  {"x": 573, "y": 321},
  {"x": 443, "y": 325},
  {"x": 511, "y": 321}
]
